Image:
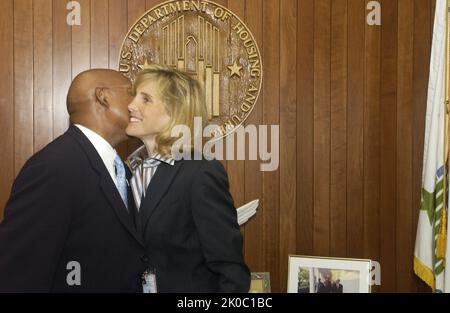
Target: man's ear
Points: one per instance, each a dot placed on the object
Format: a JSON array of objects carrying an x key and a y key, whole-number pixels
[{"x": 101, "y": 96}]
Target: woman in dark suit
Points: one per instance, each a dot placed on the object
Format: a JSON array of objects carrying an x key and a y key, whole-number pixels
[{"x": 186, "y": 213}]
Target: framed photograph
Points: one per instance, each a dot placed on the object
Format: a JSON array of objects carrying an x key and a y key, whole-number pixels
[
  {"x": 260, "y": 282},
  {"x": 308, "y": 274}
]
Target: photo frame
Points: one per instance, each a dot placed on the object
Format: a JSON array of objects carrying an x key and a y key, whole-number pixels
[{"x": 310, "y": 274}]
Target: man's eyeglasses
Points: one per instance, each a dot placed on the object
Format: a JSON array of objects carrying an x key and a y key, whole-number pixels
[{"x": 129, "y": 89}]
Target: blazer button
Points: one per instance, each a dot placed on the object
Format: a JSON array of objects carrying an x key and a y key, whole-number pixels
[{"x": 144, "y": 258}]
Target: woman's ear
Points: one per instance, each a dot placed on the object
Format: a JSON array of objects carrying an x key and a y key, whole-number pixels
[{"x": 101, "y": 96}]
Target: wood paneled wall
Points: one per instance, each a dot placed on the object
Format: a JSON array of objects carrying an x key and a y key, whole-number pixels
[{"x": 350, "y": 100}]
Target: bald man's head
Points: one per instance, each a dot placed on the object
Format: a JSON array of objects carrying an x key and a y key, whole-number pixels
[
  {"x": 82, "y": 90},
  {"x": 98, "y": 99}
]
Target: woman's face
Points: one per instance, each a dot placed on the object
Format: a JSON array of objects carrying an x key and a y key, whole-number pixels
[{"x": 148, "y": 114}]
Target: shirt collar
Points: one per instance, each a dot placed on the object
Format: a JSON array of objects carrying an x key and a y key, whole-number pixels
[
  {"x": 140, "y": 155},
  {"x": 104, "y": 149}
]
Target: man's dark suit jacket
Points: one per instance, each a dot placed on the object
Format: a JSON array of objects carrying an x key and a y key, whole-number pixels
[
  {"x": 190, "y": 228},
  {"x": 65, "y": 207}
]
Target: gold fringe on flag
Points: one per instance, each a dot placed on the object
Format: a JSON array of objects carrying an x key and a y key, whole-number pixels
[
  {"x": 441, "y": 242},
  {"x": 424, "y": 273}
]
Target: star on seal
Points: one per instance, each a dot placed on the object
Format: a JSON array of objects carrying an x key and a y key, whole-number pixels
[{"x": 235, "y": 69}]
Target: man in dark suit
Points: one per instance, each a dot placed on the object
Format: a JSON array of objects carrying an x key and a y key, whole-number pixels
[
  {"x": 69, "y": 223},
  {"x": 337, "y": 287},
  {"x": 320, "y": 287},
  {"x": 327, "y": 284}
]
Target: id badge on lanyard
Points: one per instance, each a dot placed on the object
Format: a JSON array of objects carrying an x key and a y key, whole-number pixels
[{"x": 149, "y": 282}]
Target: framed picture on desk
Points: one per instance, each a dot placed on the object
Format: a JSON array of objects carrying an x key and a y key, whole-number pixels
[{"x": 310, "y": 274}]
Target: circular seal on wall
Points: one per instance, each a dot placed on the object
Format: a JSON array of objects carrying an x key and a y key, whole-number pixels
[{"x": 210, "y": 43}]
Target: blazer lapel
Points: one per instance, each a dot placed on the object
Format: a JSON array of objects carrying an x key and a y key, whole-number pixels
[
  {"x": 114, "y": 198},
  {"x": 107, "y": 185},
  {"x": 157, "y": 189}
]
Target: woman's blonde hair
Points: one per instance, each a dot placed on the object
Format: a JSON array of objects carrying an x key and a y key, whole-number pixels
[{"x": 183, "y": 98}]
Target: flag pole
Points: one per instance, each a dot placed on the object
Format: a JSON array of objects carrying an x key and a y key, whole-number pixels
[{"x": 441, "y": 241}]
